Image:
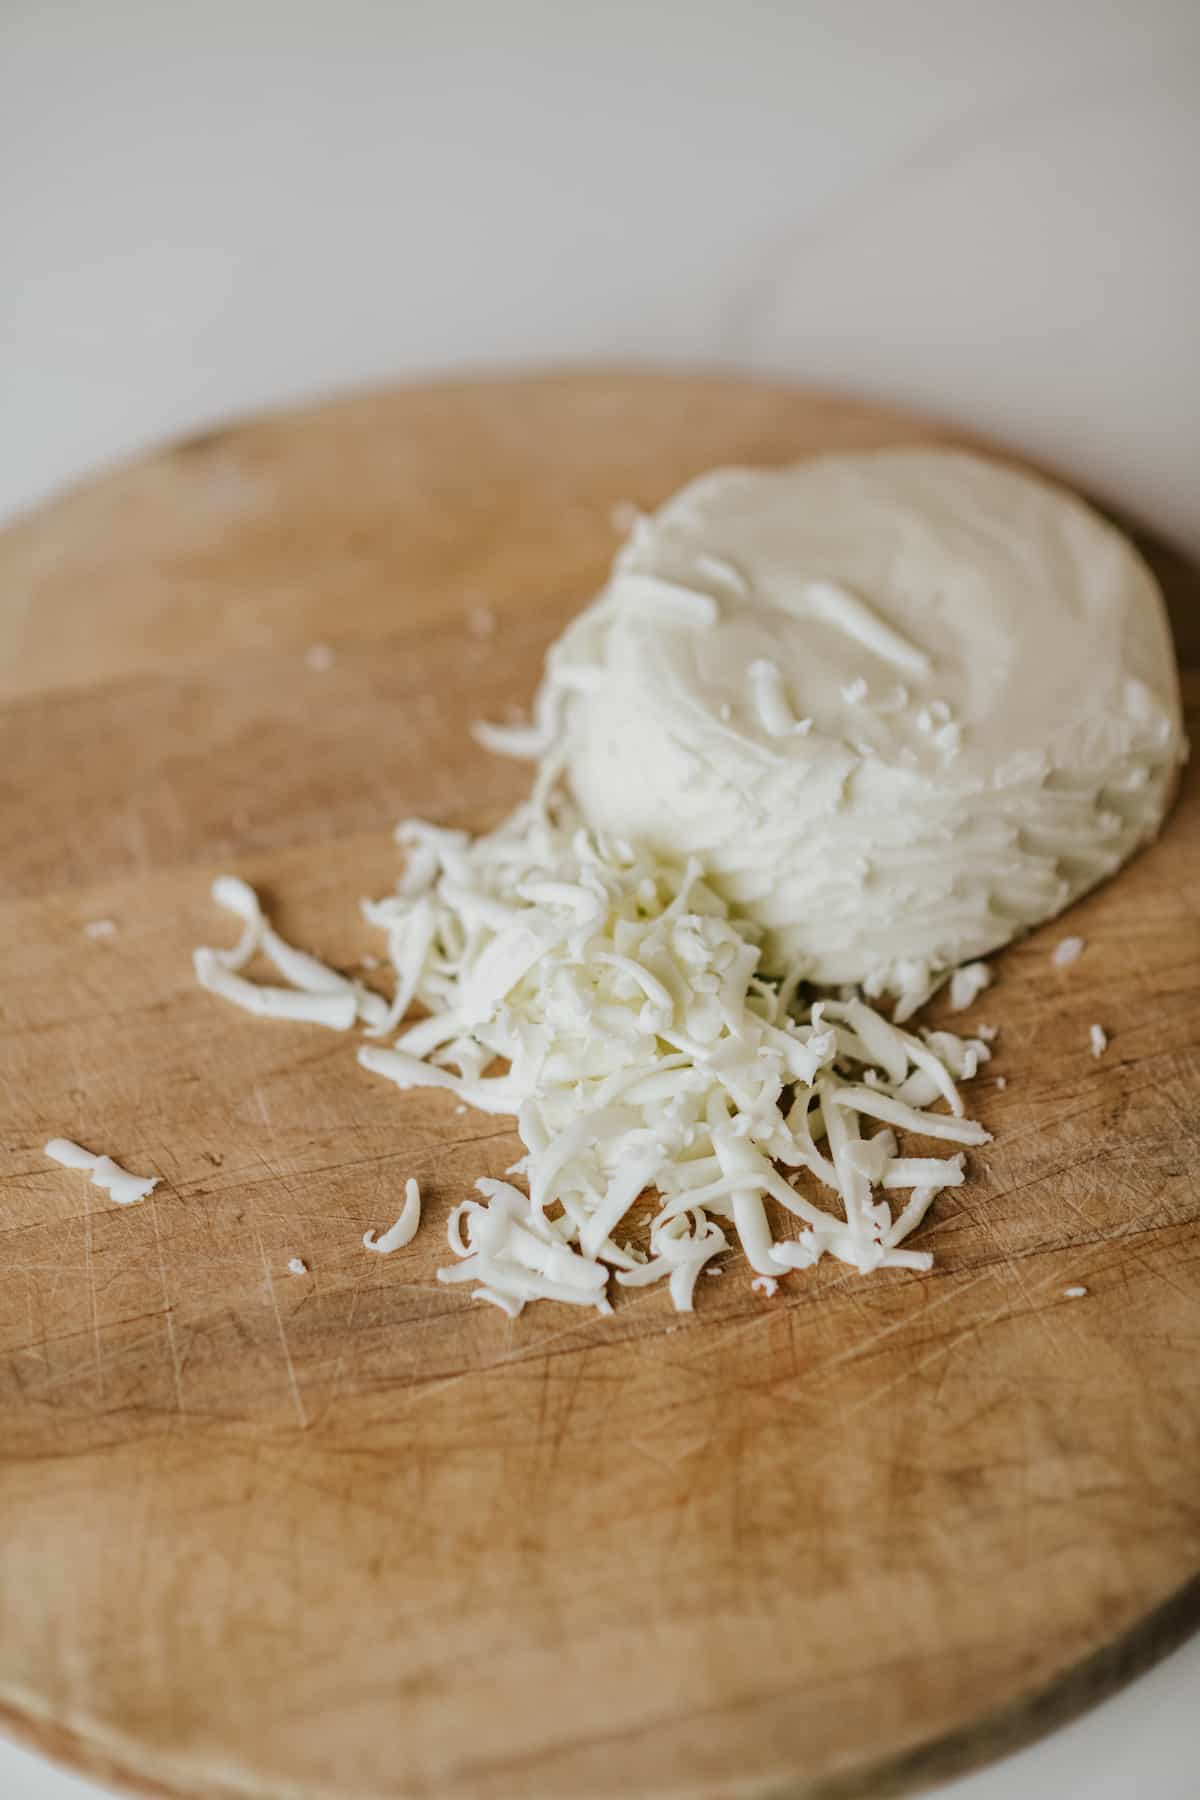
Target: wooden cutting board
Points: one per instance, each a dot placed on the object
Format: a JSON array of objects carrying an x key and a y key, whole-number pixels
[{"x": 349, "y": 1535}]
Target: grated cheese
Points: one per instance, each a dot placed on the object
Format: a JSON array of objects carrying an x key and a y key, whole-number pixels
[
  {"x": 1067, "y": 952},
  {"x": 318, "y": 994},
  {"x": 830, "y": 601},
  {"x": 297, "y": 1266},
  {"x": 610, "y": 1002},
  {"x": 1074, "y": 1293},
  {"x": 640, "y": 1052},
  {"x": 404, "y": 1230},
  {"x": 966, "y": 985},
  {"x": 723, "y": 572},
  {"x": 1098, "y": 1038},
  {"x": 769, "y": 701},
  {"x": 120, "y": 1185},
  {"x": 100, "y": 928}
]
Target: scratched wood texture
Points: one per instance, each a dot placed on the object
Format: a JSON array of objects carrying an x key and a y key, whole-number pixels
[{"x": 350, "y": 1535}]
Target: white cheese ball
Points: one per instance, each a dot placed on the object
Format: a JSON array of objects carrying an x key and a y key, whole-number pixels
[{"x": 903, "y": 705}]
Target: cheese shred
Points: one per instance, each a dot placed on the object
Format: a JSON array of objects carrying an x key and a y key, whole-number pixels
[
  {"x": 117, "y": 1182},
  {"x": 404, "y": 1230}
]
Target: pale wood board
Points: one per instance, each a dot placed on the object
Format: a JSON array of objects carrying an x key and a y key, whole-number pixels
[{"x": 351, "y": 1535}]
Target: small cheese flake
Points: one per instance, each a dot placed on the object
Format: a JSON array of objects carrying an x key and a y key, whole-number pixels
[
  {"x": 320, "y": 658},
  {"x": 520, "y": 737},
  {"x": 765, "y": 1284},
  {"x": 1075, "y": 1293},
  {"x": 830, "y": 601},
  {"x": 723, "y": 572},
  {"x": 1068, "y": 951},
  {"x": 1098, "y": 1039},
  {"x": 1002, "y": 1082},
  {"x": 676, "y": 601},
  {"x": 100, "y": 928},
  {"x": 297, "y": 1266},
  {"x": 769, "y": 700},
  {"x": 966, "y": 985},
  {"x": 404, "y": 1230},
  {"x": 120, "y": 1185}
]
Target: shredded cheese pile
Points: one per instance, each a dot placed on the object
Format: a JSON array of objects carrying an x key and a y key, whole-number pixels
[{"x": 610, "y": 1003}]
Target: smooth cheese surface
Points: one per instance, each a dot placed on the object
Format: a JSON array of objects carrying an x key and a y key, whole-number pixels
[{"x": 904, "y": 704}]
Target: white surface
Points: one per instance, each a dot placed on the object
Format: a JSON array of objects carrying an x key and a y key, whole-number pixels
[{"x": 982, "y": 209}]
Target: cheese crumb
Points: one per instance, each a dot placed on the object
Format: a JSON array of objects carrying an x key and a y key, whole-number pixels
[
  {"x": 1099, "y": 1039},
  {"x": 100, "y": 928},
  {"x": 1069, "y": 951},
  {"x": 297, "y": 1266},
  {"x": 1074, "y": 1293},
  {"x": 1002, "y": 1082},
  {"x": 765, "y": 1284},
  {"x": 966, "y": 985}
]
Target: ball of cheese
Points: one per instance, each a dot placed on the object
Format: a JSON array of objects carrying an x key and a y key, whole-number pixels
[{"x": 903, "y": 705}]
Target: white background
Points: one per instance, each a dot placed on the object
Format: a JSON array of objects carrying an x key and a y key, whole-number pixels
[{"x": 983, "y": 209}]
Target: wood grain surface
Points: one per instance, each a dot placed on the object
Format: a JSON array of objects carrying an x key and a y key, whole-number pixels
[{"x": 348, "y": 1535}]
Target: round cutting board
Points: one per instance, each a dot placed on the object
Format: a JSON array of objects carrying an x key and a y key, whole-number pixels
[{"x": 347, "y": 1534}]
